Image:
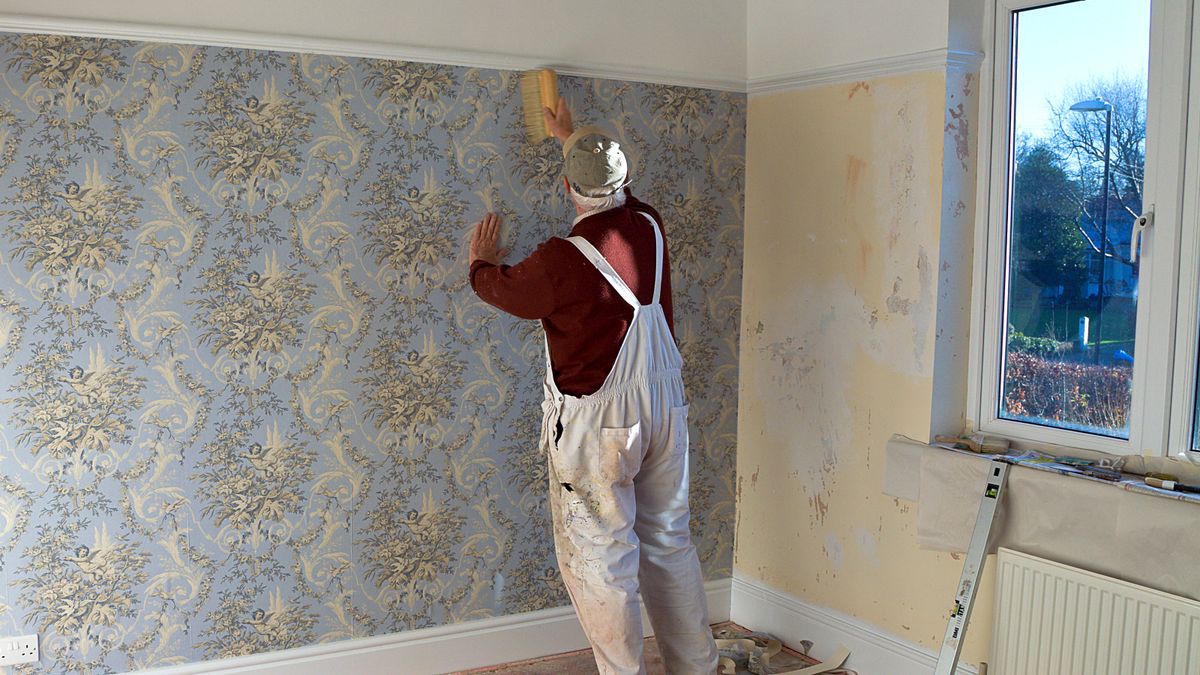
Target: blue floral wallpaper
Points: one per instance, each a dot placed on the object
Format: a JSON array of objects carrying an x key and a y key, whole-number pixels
[{"x": 248, "y": 400}]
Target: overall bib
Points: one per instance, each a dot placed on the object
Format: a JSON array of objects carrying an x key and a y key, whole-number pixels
[{"x": 618, "y": 467}]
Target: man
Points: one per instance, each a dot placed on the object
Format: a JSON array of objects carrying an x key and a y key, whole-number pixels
[{"x": 614, "y": 418}]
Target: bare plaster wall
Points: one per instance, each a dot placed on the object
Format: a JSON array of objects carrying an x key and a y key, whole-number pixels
[{"x": 856, "y": 273}]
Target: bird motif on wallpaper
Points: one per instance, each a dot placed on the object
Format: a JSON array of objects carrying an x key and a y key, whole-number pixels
[{"x": 72, "y": 436}]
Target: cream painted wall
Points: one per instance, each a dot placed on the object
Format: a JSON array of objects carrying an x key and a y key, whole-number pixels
[
  {"x": 856, "y": 197},
  {"x": 790, "y": 36},
  {"x": 696, "y": 38}
]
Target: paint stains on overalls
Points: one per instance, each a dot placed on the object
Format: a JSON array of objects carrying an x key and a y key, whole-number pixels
[{"x": 618, "y": 465}]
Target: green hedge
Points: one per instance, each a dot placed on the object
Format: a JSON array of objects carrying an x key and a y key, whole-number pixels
[
  {"x": 1038, "y": 346},
  {"x": 1077, "y": 394}
]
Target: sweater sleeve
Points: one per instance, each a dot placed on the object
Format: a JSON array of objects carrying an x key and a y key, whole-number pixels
[{"x": 525, "y": 290}]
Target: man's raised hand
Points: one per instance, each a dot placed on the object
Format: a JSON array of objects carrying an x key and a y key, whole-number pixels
[
  {"x": 484, "y": 238},
  {"x": 559, "y": 121}
]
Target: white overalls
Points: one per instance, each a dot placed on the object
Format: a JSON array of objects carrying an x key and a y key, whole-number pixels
[{"x": 619, "y": 496}]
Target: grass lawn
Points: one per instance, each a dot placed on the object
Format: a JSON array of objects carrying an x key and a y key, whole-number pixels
[{"x": 1035, "y": 319}]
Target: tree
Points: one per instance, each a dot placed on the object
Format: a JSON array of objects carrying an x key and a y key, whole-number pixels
[
  {"x": 1080, "y": 136},
  {"x": 1049, "y": 247}
]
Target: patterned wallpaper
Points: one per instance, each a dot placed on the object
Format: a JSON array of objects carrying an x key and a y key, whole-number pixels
[{"x": 248, "y": 400}]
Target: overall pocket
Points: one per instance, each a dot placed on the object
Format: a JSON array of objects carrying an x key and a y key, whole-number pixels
[
  {"x": 592, "y": 457},
  {"x": 619, "y": 453},
  {"x": 677, "y": 430}
]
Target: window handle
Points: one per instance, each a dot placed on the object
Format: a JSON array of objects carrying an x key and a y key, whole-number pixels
[{"x": 1135, "y": 237}]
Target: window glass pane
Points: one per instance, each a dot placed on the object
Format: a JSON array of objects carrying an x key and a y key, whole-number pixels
[
  {"x": 1196, "y": 415},
  {"x": 1078, "y": 123}
]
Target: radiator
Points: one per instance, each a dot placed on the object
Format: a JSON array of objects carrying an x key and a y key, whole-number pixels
[{"x": 1052, "y": 619}]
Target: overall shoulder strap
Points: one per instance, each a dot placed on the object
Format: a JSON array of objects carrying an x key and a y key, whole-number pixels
[
  {"x": 658, "y": 256},
  {"x": 600, "y": 263}
]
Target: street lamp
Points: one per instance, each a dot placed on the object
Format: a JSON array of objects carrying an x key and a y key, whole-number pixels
[{"x": 1089, "y": 106}]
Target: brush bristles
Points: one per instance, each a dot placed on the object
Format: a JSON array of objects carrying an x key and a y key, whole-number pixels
[{"x": 538, "y": 90}]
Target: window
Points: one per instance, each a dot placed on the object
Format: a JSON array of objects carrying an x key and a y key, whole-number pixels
[{"x": 1088, "y": 258}]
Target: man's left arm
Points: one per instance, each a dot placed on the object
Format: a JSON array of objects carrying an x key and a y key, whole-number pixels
[{"x": 524, "y": 290}]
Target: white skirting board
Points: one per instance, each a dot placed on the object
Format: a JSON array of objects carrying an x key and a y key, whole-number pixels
[
  {"x": 872, "y": 651},
  {"x": 472, "y": 644}
]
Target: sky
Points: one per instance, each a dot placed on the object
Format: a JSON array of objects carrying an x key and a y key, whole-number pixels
[{"x": 1061, "y": 45}]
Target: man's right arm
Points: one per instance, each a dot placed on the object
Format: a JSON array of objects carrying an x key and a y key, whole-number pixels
[{"x": 524, "y": 290}]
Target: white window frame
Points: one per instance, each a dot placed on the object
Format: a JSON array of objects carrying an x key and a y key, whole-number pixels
[{"x": 1153, "y": 429}]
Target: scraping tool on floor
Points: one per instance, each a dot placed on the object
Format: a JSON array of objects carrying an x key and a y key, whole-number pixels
[
  {"x": 968, "y": 582},
  {"x": 753, "y": 653}
]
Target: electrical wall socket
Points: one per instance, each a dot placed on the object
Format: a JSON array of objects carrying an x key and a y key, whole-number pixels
[{"x": 17, "y": 650}]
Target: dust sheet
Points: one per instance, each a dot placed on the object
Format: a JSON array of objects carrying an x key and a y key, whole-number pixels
[{"x": 1121, "y": 530}]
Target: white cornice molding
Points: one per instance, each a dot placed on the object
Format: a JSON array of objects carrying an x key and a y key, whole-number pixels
[
  {"x": 933, "y": 59},
  {"x": 15, "y": 23}
]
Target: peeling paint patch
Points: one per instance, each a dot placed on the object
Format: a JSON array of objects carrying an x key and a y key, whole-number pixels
[
  {"x": 923, "y": 316},
  {"x": 897, "y": 304},
  {"x": 918, "y": 308},
  {"x": 758, "y": 330},
  {"x": 791, "y": 363},
  {"x": 958, "y": 129},
  {"x": 820, "y": 508},
  {"x": 864, "y": 87}
]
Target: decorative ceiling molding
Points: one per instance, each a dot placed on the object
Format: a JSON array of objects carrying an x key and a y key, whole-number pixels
[
  {"x": 353, "y": 48},
  {"x": 934, "y": 59}
]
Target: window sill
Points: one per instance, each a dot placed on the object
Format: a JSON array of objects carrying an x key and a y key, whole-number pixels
[{"x": 1131, "y": 476}]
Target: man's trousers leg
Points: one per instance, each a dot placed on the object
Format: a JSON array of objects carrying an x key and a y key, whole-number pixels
[
  {"x": 592, "y": 505},
  {"x": 672, "y": 586}
]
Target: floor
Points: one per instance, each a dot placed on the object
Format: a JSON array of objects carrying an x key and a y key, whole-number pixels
[{"x": 581, "y": 662}]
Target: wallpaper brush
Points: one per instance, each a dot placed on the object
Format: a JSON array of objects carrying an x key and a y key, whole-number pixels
[{"x": 539, "y": 89}]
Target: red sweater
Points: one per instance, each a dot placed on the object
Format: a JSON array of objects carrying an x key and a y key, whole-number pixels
[{"x": 584, "y": 318}]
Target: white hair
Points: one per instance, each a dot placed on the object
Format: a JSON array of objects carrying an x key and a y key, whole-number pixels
[{"x": 593, "y": 204}]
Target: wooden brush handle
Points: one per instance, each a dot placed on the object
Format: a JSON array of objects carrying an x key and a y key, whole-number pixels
[{"x": 549, "y": 88}]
